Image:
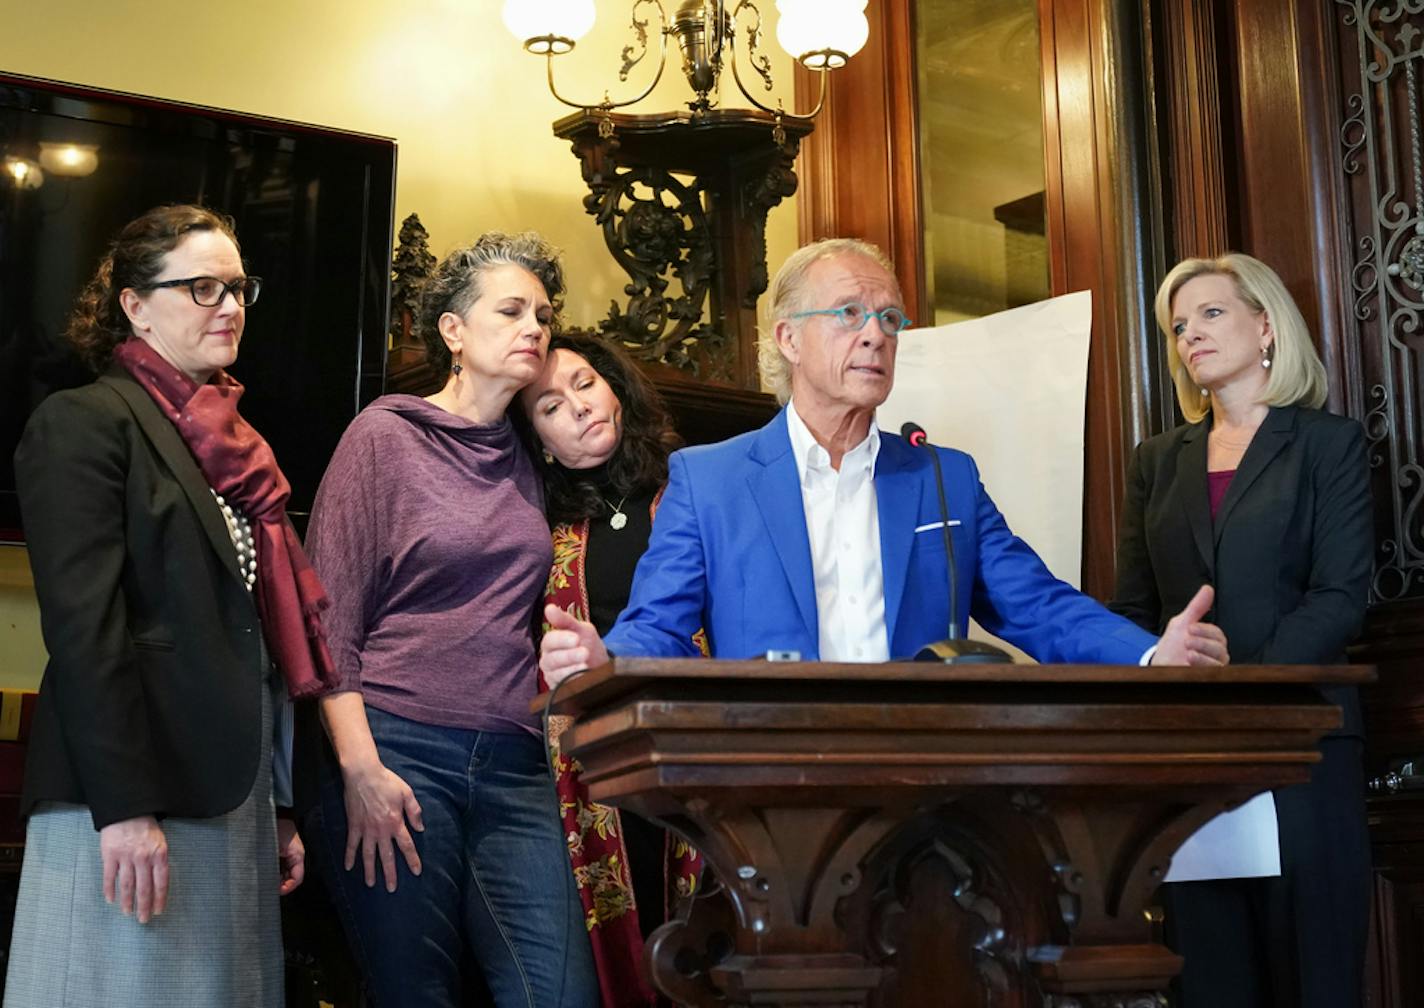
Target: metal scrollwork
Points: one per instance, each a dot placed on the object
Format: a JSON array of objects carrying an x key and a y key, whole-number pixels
[
  {"x": 640, "y": 28},
  {"x": 760, "y": 62},
  {"x": 1383, "y": 164}
]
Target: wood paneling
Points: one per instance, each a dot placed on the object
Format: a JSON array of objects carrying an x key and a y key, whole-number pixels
[
  {"x": 1191, "y": 93},
  {"x": 1103, "y": 237},
  {"x": 1290, "y": 194}
]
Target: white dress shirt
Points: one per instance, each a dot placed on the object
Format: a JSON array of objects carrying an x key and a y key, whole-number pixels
[{"x": 843, "y": 524}]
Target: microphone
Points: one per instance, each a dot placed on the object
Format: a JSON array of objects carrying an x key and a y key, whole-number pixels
[{"x": 954, "y": 649}]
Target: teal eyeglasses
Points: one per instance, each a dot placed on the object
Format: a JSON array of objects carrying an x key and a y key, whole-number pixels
[{"x": 852, "y": 317}]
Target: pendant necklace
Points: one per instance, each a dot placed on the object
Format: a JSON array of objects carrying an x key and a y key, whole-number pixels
[{"x": 619, "y": 519}]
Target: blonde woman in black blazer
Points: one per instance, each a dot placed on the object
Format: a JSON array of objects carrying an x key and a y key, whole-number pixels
[{"x": 1266, "y": 498}]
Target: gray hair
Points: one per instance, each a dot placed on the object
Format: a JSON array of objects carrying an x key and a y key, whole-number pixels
[
  {"x": 787, "y": 296},
  {"x": 456, "y": 283}
]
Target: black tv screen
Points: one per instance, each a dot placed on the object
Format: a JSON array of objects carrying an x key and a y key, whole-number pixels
[{"x": 314, "y": 210}]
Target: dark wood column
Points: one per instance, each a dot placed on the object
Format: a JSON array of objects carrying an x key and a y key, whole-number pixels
[{"x": 1104, "y": 237}]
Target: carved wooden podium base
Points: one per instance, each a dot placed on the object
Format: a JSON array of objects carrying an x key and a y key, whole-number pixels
[{"x": 911, "y": 834}]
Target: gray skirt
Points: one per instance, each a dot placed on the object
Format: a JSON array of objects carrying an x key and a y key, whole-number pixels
[{"x": 218, "y": 943}]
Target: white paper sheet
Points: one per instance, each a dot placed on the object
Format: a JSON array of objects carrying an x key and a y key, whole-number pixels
[{"x": 1242, "y": 843}]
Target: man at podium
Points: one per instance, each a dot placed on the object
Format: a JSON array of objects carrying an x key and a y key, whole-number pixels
[{"x": 820, "y": 536}]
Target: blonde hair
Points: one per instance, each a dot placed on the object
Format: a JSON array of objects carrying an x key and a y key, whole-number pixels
[
  {"x": 1297, "y": 377},
  {"x": 787, "y": 296}
]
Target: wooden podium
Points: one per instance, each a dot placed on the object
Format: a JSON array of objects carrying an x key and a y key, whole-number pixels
[{"x": 918, "y": 834}]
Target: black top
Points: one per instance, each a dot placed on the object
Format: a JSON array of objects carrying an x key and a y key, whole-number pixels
[
  {"x": 613, "y": 555},
  {"x": 609, "y": 563}
]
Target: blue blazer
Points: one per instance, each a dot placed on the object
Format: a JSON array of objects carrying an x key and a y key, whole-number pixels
[{"x": 730, "y": 553}]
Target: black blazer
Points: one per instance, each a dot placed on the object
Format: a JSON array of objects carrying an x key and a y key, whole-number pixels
[
  {"x": 1289, "y": 553},
  {"x": 151, "y": 701}
]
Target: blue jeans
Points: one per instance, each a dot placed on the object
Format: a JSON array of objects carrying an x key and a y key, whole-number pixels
[{"x": 494, "y": 876}]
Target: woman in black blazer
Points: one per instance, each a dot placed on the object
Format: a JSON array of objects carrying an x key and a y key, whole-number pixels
[
  {"x": 166, "y": 573},
  {"x": 1265, "y": 497}
]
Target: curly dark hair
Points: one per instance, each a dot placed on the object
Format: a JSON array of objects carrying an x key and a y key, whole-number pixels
[
  {"x": 97, "y": 323},
  {"x": 455, "y": 284},
  {"x": 638, "y": 464}
]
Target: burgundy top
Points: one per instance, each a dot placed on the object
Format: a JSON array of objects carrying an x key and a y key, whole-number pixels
[
  {"x": 1216, "y": 484},
  {"x": 429, "y": 534}
]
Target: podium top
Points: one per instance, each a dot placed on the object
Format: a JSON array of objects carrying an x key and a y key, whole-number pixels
[{"x": 623, "y": 675}]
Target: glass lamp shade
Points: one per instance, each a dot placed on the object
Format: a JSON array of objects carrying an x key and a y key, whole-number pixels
[
  {"x": 812, "y": 30},
  {"x": 72, "y": 160},
  {"x": 548, "y": 25},
  {"x": 22, "y": 173}
]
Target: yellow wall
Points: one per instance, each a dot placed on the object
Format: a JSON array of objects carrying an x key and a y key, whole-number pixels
[
  {"x": 22, "y": 653},
  {"x": 467, "y": 106}
]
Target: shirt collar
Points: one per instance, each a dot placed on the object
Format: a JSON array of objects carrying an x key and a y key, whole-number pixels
[{"x": 810, "y": 455}]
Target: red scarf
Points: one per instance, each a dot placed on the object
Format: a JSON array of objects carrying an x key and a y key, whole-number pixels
[{"x": 239, "y": 465}]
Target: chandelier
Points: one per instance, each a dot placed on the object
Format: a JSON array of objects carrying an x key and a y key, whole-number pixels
[{"x": 821, "y": 35}]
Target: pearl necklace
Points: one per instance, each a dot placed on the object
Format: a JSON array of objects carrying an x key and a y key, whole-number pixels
[{"x": 239, "y": 530}]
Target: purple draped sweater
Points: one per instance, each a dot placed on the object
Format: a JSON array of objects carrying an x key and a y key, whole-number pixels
[{"x": 429, "y": 534}]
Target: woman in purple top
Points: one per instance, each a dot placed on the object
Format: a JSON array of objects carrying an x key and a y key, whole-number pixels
[
  {"x": 1266, "y": 497},
  {"x": 429, "y": 532}
]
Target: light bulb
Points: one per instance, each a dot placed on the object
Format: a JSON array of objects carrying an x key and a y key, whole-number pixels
[
  {"x": 72, "y": 160},
  {"x": 23, "y": 173},
  {"x": 535, "y": 22},
  {"x": 811, "y": 26}
]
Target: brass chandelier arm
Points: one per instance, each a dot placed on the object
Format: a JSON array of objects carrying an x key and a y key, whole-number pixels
[
  {"x": 800, "y": 116},
  {"x": 607, "y": 105},
  {"x": 752, "y": 33}
]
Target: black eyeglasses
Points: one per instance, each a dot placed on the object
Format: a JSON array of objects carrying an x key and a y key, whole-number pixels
[{"x": 208, "y": 292}]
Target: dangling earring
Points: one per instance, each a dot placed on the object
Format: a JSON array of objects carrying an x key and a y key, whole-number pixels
[
  {"x": 1267, "y": 353},
  {"x": 455, "y": 368},
  {"x": 548, "y": 457}
]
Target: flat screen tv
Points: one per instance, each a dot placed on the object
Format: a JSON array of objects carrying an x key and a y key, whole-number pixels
[{"x": 314, "y": 211}]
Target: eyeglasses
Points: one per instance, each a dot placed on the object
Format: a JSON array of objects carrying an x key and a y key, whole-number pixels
[
  {"x": 209, "y": 292},
  {"x": 852, "y": 317}
]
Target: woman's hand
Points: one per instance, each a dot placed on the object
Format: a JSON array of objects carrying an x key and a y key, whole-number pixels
[
  {"x": 571, "y": 645},
  {"x": 378, "y": 804},
  {"x": 291, "y": 856},
  {"x": 135, "y": 854}
]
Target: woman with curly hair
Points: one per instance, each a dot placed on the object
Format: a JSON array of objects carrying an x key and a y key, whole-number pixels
[
  {"x": 603, "y": 437},
  {"x": 429, "y": 528},
  {"x": 170, "y": 582}
]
